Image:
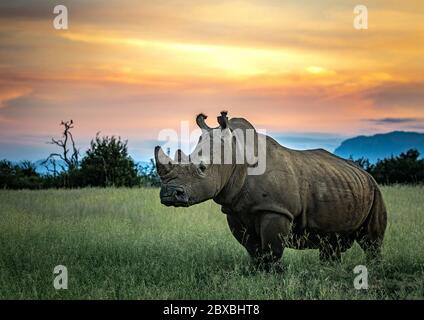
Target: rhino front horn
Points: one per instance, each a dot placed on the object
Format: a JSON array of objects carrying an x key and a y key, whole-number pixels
[{"x": 163, "y": 162}]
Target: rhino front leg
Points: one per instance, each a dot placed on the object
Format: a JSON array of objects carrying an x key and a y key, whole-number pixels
[
  {"x": 246, "y": 236},
  {"x": 274, "y": 231}
]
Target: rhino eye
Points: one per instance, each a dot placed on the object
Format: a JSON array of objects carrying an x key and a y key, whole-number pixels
[{"x": 202, "y": 167}]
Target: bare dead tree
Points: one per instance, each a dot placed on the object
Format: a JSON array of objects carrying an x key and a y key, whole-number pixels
[
  {"x": 69, "y": 153},
  {"x": 48, "y": 163}
]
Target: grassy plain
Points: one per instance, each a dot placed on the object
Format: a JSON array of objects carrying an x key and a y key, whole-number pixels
[{"x": 123, "y": 244}]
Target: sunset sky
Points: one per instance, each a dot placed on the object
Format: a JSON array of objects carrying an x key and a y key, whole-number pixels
[{"x": 131, "y": 68}]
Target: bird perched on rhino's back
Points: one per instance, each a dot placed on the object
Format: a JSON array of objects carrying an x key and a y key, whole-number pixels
[{"x": 301, "y": 199}]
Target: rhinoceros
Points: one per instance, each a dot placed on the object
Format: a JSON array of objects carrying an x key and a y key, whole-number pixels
[{"x": 307, "y": 199}]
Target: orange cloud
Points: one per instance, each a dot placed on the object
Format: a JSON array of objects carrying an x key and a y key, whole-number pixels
[{"x": 132, "y": 68}]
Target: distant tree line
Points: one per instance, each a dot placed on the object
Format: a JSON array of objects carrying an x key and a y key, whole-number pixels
[
  {"x": 106, "y": 163},
  {"x": 406, "y": 168}
]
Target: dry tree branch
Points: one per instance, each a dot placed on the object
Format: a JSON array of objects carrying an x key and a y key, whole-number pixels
[{"x": 72, "y": 160}]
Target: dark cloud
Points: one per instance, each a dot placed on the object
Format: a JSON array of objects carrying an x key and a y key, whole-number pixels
[
  {"x": 12, "y": 9},
  {"x": 397, "y": 94},
  {"x": 417, "y": 127},
  {"x": 383, "y": 121},
  {"x": 148, "y": 19},
  {"x": 42, "y": 9}
]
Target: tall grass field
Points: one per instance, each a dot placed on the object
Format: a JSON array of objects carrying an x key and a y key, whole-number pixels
[{"x": 123, "y": 244}]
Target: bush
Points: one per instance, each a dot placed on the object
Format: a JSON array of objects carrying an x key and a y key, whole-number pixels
[
  {"x": 405, "y": 168},
  {"x": 19, "y": 176},
  {"x": 107, "y": 163}
]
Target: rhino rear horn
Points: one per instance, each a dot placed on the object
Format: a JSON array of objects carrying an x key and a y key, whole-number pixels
[
  {"x": 163, "y": 162},
  {"x": 181, "y": 157}
]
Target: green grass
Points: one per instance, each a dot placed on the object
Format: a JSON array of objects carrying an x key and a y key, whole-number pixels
[{"x": 123, "y": 244}]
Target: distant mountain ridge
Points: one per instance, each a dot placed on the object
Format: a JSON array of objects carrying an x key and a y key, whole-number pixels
[{"x": 380, "y": 146}]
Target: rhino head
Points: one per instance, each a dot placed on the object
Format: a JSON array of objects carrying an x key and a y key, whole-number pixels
[{"x": 208, "y": 170}]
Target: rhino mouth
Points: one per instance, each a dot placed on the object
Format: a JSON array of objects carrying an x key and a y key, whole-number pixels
[
  {"x": 174, "y": 196},
  {"x": 172, "y": 202}
]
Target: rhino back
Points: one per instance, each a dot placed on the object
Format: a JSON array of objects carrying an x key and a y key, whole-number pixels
[{"x": 317, "y": 189}]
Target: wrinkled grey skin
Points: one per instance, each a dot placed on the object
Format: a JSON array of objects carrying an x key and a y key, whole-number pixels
[{"x": 305, "y": 199}]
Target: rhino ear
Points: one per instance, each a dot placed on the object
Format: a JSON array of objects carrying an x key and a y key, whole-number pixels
[
  {"x": 163, "y": 162},
  {"x": 223, "y": 120}
]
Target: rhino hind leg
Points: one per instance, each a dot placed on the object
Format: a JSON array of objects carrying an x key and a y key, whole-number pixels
[
  {"x": 371, "y": 246},
  {"x": 274, "y": 233},
  {"x": 371, "y": 234}
]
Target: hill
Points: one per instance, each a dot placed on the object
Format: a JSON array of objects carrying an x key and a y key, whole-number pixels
[{"x": 381, "y": 146}]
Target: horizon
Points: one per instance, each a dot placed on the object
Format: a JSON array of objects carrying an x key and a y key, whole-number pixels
[
  {"x": 130, "y": 69},
  {"x": 305, "y": 141}
]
